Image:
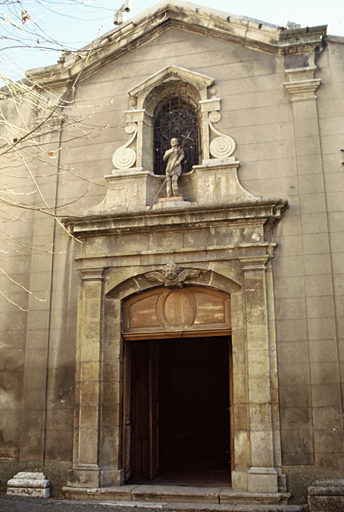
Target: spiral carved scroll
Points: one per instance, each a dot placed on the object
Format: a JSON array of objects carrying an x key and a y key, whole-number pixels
[
  {"x": 125, "y": 157},
  {"x": 222, "y": 146}
]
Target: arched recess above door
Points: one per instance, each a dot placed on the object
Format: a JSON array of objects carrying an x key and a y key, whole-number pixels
[{"x": 169, "y": 313}]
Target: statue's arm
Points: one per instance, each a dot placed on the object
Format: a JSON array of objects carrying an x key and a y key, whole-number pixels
[
  {"x": 180, "y": 158},
  {"x": 167, "y": 154}
]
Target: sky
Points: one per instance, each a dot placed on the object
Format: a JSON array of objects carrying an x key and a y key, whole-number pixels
[{"x": 74, "y": 25}]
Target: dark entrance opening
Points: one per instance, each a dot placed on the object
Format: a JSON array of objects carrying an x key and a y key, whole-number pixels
[{"x": 179, "y": 407}]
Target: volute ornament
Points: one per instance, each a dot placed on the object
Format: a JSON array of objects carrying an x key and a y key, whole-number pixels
[
  {"x": 125, "y": 157},
  {"x": 223, "y": 145},
  {"x": 172, "y": 276}
]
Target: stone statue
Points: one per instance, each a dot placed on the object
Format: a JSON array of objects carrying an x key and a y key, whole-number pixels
[{"x": 174, "y": 157}]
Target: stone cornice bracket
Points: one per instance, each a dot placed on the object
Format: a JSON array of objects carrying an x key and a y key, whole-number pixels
[
  {"x": 222, "y": 146},
  {"x": 92, "y": 274},
  {"x": 302, "y": 85}
]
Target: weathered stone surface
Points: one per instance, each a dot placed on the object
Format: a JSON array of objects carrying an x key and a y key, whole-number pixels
[
  {"x": 326, "y": 496},
  {"x": 30, "y": 484},
  {"x": 30, "y": 492}
]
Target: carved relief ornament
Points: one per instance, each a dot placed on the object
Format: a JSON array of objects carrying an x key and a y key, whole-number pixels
[
  {"x": 172, "y": 276},
  {"x": 125, "y": 157}
]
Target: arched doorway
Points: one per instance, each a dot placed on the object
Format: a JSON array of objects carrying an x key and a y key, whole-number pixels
[{"x": 177, "y": 392}]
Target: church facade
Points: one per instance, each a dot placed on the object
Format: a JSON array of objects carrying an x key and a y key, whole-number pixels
[{"x": 188, "y": 322}]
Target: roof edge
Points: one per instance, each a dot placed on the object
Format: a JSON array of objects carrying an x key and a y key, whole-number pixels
[{"x": 247, "y": 32}]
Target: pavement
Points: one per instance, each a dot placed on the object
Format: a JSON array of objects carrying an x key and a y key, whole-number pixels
[
  {"x": 16, "y": 504},
  {"x": 19, "y": 504}
]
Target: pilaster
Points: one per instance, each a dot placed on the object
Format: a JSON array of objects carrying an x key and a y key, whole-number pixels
[
  {"x": 86, "y": 468},
  {"x": 313, "y": 212},
  {"x": 262, "y": 475}
]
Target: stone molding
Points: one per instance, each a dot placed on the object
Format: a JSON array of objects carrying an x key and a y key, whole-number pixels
[
  {"x": 141, "y": 91},
  {"x": 254, "y": 263},
  {"x": 242, "y": 31},
  {"x": 302, "y": 85},
  {"x": 92, "y": 274},
  {"x": 257, "y": 210}
]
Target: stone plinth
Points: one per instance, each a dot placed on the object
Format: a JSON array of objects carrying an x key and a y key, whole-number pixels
[
  {"x": 326, "y": 496},
  {"x": 170, "y": 202},
  {"x": 34, "y": 485},
  {"x": 262, "y": 480},
  {"x": 172, "y": 198}
]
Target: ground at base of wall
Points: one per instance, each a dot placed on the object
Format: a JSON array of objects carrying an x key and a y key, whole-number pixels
[{"x": 11, "y": 504}]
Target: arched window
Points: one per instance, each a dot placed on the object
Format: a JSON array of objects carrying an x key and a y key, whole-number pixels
[{"x": 176, "y": 118}]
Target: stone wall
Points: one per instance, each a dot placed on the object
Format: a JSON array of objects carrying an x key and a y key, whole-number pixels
[{"x": 286, "y": 149}]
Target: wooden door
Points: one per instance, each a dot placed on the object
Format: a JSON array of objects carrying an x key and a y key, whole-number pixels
[
  {"x": 153, "y": 411},
  {"x": 230, "y": 406},
  {"x": 126, "y": 412},
  {"x": 141, "y": 410}
]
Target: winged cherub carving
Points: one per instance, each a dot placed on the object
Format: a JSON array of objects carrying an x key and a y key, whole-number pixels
[{"x": 172, "y": 276}]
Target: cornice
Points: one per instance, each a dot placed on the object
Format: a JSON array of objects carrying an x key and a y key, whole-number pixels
[
  {"x": 250, "y": 211},
  {"x": 251, "y": 34}
]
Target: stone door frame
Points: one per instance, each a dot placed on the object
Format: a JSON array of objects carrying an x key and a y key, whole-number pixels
[{"x": 97, "y": 460}]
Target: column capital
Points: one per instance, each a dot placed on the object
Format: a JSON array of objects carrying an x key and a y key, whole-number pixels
[
  {"x": 92, "y": 274},
  {"x": 302, "y": 84},
  {"x": 254, "y": 263},
  {"x": 210, "y": 105},
  {"x": 137, "y": 116}
]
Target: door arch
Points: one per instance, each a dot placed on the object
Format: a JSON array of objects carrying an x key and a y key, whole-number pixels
[{"x": 153, "y": 322}]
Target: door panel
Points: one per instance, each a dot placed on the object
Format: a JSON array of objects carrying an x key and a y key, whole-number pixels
[
  {"x": 153, "y": 411},
  {"x": 126, "y": 411},
  {"x": 144, "y": 454}
]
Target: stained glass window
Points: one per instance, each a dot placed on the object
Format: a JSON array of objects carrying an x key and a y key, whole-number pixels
[{"x": 176, "y": 118}]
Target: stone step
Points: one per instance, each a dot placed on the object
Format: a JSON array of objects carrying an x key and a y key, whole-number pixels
[
  {"x": 176, "y": 494},
  {"x": 141, "y": 506},
  {"x": 180, "y": 498}
]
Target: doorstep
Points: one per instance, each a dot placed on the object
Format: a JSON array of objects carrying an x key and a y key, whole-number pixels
[{"x": 177, "y": 494}]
